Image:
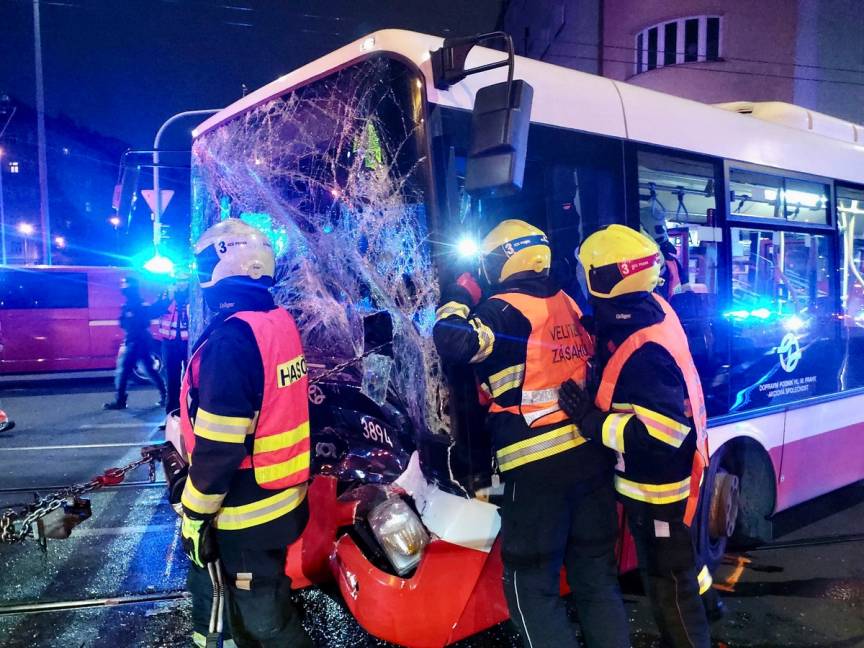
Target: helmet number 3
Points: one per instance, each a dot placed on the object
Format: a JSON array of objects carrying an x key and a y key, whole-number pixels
[
  {"x": 374, "y": 431},
  {"x": 221, "y": 247}
]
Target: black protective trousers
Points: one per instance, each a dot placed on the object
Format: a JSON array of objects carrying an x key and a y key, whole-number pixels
[
  {"x": 174, "y": 357},
  {"x": 550, "y": 518},
  {"x": 262, "y": 616},
  {"x": 669, "y": 569}
]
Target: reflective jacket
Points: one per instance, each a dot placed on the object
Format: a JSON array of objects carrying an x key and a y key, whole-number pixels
[
  {"x": 267, "y": 448},
  {"x": 174, "y": 322},
  {"x": 523, "y": 342},
  {"x": 653, "y": 413}
]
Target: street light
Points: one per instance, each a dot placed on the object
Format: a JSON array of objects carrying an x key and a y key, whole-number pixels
[
  {"x": 60, "y": 241},
  {"x": 25, "y": 230},
  {"x": 115, "y": 221}
]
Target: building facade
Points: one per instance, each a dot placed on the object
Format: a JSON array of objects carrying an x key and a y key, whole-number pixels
[{"x": 806, "y": 52}]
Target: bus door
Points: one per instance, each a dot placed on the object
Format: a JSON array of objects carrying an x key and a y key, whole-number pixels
[{"x": 783, "y": 317}]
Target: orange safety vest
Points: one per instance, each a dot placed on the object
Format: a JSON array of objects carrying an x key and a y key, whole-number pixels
[
  {"x": 670, "y": 335},
  {"x": 172, "y": 320},
  {"x": 559, "y": 349},
  {"x": 280, "y": 454}
]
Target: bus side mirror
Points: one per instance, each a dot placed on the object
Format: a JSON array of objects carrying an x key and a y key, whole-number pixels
[
  {"x": 499, "y": 139},
  {"x": 500, "y": 119}
]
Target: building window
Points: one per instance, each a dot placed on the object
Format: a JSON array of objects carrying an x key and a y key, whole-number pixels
[
  {"x": 14, "y": 168},
  {"x": 685, "y": 40},
  {"x": 670, "y": 43},
  {"x": 652, "y": 48}
]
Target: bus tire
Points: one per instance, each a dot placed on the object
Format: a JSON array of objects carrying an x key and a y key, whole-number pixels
[
  {"x": 718, "y": 510},
  {"x": 758, "y": 494},
  {"x": 737, "y": 500}
]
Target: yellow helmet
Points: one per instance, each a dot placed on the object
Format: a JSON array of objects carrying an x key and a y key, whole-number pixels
[
  {"x": 618, "y": 260},
  {"x": 514, "y": 246}
]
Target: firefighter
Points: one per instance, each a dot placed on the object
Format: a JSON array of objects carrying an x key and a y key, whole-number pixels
[
  {"x": 558, "y": 504},
  {"x": 173, "y": 331},
  {"x": 649, "y": 409},
  {"x": 245, "y": 424}
]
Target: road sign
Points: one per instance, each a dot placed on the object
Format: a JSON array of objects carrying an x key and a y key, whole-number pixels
[{"x": 150, "y": 197}]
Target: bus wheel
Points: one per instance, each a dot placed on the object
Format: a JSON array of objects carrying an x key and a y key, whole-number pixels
[{"x": 719, "y": 508}]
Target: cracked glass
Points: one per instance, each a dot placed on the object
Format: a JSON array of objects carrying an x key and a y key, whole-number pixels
[{"x": 335, "y": 173}]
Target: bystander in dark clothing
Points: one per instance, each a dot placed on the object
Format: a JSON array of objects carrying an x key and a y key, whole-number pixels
[{"x": 137, "y": 344}]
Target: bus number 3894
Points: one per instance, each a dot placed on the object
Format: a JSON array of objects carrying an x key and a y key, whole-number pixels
[{"x": 374, "y": 431}]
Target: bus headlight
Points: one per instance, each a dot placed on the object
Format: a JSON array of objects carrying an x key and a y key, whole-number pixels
[{"x": 400, "y": 533}]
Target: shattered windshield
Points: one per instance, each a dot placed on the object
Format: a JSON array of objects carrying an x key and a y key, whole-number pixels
[{"x": 335, "y": 173}]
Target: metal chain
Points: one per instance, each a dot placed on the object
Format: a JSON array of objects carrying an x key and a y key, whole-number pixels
[{"x": 53, "y": 501}]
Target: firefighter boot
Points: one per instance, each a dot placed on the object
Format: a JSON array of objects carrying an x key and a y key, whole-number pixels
[{"x": 116, "y": 404}]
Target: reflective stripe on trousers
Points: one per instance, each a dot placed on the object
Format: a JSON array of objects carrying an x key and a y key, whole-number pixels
[
  {"x": 653, "y": 493},
  {"x": 539, "y": 447},
  {"x": 704, "y": 579},
  {"x": 232, "y": 518}
]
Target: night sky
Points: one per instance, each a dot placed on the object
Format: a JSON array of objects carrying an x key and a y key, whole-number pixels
[{"x": 121, "y": 67}]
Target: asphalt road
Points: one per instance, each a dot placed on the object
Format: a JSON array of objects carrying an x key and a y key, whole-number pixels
[{"x": 124, "y": 571}]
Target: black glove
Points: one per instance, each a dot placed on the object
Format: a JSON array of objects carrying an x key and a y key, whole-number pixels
[
  {"x": 577, "y": 404},
  {"x": 456, "y": 293},
  {"x": 199, "y": 541}
]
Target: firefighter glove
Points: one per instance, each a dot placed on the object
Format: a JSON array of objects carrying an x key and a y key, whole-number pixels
[
  {"x": 465, "y": 290},
  {"x": 199, "y": 541},
  {"x": 467, "y": 281},
  {"x": 576, "y": 403}
]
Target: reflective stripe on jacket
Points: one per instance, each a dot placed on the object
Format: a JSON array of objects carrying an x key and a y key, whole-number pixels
[
  {"x": 278, "y": 436},
  {"x": 669, "y": 335}
]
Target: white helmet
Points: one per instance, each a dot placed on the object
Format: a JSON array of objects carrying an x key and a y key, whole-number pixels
[{"x": 233, "y": 248}]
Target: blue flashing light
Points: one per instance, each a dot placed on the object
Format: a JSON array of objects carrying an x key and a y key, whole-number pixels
[
  {"x": 737, "y": 314},
  {"x": 159, "y": 265},
  {"x": 761, "y": 313},
  {"x": 793, "y": 323}
]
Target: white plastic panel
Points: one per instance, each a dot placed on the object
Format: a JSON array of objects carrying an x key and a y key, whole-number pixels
[
  {"x": 765, "y": 430},
  {"x": 664, "y": 120},
  {"x": 584, "y": 102}
]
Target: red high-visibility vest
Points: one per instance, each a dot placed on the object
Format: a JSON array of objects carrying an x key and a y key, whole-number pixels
[
  {"x": 670, "y": 335},
  {"x": 174, "y": 321},
  {"x": 280, "y": 455},
  {"x": 558, "y": 349}
]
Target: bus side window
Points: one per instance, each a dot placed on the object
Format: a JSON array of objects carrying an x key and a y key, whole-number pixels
[
  {"x": 850, "y": 221},
  {"x": 677, "y": 206},
  {"x": 782, "y": 317}
]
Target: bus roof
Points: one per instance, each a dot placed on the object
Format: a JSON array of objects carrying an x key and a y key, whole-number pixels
[{"x": 576, "y": 100}]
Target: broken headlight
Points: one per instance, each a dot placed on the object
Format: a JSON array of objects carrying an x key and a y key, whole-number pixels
[{"x": 400, "y": 533}]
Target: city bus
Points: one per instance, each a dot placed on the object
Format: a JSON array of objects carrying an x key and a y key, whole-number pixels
[{"x": 355, "y": 165}]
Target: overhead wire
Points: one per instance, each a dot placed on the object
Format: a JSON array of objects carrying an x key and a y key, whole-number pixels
[
  {"x": 691, "y": 66},
  {"x": 724, "y": 58}
]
